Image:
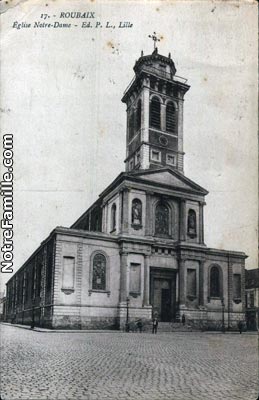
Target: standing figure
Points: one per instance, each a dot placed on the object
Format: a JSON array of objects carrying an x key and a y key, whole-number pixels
[
  {"x": 136, "y": 212},
  {"x": 183, "y": 319},
  {"x": 155, "y": 325},
  {"x": 139, "y": 325},
  {"x": 240, "y": 326}
]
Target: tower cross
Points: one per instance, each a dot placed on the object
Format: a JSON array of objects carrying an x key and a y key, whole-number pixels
[{"x": 154, "y": 38}]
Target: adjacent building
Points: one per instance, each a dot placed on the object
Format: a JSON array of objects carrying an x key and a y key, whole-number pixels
[
  {"x": 2, "y": 306},
  {"x": 141, "y": 244},
  {"x": 252, "y": 298}
]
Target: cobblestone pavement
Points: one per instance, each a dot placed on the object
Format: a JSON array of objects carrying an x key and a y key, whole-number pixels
[{"x": 117, "y": 366}]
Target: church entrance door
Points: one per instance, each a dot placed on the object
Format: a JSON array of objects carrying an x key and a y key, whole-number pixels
[
  {"x": 163, "y": 294},
  {"x": 166, "y": 305}
]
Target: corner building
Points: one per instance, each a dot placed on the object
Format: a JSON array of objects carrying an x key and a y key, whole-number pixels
[{"x": 142, "y": 241}]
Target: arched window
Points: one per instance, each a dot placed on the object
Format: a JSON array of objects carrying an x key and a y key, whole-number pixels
[
  {"x": 113, "y": 217},
  {"x": 99, "y": 272},
  {"x": 155, "y": 111},
  {"x": 136, "y": 212},
  {"x": 138, "y": 116},
  {"x": 171, "y": 118},
  {"x": 192, "y": 224},
  {"x": 162, "y": 219},
  {"x": 214, "y": 282}
]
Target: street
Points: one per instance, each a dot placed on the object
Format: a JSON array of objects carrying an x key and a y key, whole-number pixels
[{"x": 116, "y": 366}]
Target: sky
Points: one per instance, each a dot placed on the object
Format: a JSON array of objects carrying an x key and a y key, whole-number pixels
[{"x": 61, "y": 91}]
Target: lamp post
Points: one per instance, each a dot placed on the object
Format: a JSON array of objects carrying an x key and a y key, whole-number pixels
[
  {"x": 127, "y": 314},
  {"x": 223, "y": 315}
]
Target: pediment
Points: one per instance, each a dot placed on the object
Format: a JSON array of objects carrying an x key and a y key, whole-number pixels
[{"x": 169, "y": 178}]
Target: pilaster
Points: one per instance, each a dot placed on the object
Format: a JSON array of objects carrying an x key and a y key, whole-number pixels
[
  {"x": 123, "y": 276},
  {"x": 180, "y": 127},
  {"x": 229, "y": 286},
  {"x": 182, "y": 282},
  {"x": 201, "y": 224},
  {"x": 201, "y": 283},
  {"x": 148, "y": 227},
  {"x": 120, "y": 219},
  {"x": 183, "y": 220},
  {"x": 243, "y": 287},
  {"x": 125, "y": 210},
  {"x": 79, "y": 271},
  {"x": 146, "y": 298},
  {"x": 145, "y": 110}
]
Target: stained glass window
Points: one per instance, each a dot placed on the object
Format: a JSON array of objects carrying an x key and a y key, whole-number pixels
[
  {"x": 162, "y": 220},
  {"x": 99, "y": 272},
  {"x": 214, "y": 282}
]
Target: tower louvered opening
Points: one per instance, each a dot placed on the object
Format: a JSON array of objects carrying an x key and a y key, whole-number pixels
[
  {"x": 155, "y": 113},
  {"x": 171, "y": 118}
]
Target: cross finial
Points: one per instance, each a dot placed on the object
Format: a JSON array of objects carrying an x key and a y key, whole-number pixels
[{"x": 154, "y": 38}]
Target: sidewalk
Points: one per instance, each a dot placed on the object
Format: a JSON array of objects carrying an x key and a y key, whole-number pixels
[{"x": 46, "y": 330}]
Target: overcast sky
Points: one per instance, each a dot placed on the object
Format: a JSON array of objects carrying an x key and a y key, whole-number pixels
[{"x": 61, "y": 95}]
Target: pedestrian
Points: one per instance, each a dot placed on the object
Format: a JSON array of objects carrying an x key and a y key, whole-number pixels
[
  {"x": 183, "y": 319},
  {"x": 240, "y": 326},
  {"x": 155, "y": 325},
  {"x": 139, "y": 325}
]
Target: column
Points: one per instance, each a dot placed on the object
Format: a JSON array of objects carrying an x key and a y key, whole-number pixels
[
  {"x": 177, "y": 287},
  {"x": 201, "y": 224},
  {"x": 120, "y": 214},
  {"x": 123, "y": 276},
  {"x": 182, "y": 285},
  {"x": 148, "y": 219},
  {"x": 146, "y": 280},
  {"x": 180, "y": 125},
  {"x": 183, "y": 220},
  {"x": 163, "y": 117},
  {"x": 145, "y": 110},
  {"x": 201, "y": 283},
  {"x": 180, "y": 135},
  {"x": 103, "y": 207}
]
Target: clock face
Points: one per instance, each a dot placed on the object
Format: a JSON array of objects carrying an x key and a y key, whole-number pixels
[{"x": 163, "y": 140}]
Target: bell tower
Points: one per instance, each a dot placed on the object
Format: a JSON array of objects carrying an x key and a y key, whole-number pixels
[{"x": 154, "y": 100}]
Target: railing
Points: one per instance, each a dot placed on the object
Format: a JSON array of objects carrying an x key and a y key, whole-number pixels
[
  {"x": 129, "y": 85},
  {"x": 160, "y": 74},
  {"x": 164, "y": 74}
]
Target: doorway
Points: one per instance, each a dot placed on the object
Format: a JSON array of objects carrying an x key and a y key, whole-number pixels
[{"x": 162, "y": 292}]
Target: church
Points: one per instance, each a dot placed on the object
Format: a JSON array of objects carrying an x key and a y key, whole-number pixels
[{"x": 138, "y": 252}]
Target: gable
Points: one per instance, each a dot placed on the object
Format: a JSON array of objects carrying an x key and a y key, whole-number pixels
[{"x": 169, "y": 178}]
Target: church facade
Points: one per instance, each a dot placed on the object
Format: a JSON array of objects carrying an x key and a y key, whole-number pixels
[{"x": 139, "y": 250}]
